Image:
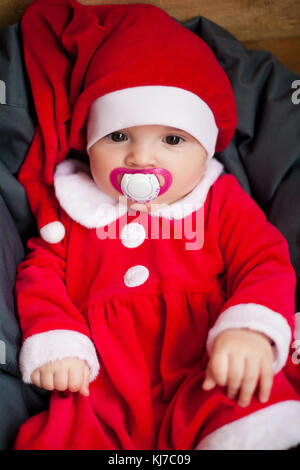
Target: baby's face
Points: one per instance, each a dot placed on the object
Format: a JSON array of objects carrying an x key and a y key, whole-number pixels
[{"x": 149, "y": 147}]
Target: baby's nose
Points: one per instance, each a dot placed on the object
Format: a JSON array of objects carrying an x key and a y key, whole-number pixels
[{"x": 141, "y": 158}]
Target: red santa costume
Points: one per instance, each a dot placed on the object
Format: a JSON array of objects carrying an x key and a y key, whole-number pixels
[{"x": 141, "y": 297}]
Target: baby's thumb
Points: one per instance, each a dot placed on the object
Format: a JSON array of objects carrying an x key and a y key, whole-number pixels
[{"x": 209, "y": 382}]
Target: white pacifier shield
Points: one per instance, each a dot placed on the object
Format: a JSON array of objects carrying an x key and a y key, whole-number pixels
[{"x": 140, "y": 187}]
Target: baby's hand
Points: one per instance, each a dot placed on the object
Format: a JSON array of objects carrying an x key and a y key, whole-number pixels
[
  {"x": 240, "y": 358},
  {"x": 67, "y": 374}
]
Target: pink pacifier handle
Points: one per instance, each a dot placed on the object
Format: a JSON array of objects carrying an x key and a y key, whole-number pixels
[{"x": 155, "y": 171}]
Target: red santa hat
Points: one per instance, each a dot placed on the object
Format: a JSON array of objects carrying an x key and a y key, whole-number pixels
[{"x": 97, "y": 69}]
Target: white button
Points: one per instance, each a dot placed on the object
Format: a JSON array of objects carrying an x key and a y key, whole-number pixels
[
  {"x": 133, "y": 235},
  {"x": 136, "y": 276}
]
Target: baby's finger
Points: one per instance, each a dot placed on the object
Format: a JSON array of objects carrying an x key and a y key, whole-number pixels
[
  {"x": 84, "y": 390},
  {"x": 60, "y": 380},
  {"x": 209, "y": 382},
  {"x": 249, "y": 382},
  {"x": 236, "y": 368},
  {"x": 75, "y": 379},
  {"x": 46, "y": 377},
  {"x": 36, "y": 378},
  {"x": 219, "y": 368},
  {"x": 266, "y": 381}
]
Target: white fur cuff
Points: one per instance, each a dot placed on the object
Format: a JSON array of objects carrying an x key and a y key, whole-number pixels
[
  {"x": 54, "y": 345},
  {"x": 257, "y": 318}
]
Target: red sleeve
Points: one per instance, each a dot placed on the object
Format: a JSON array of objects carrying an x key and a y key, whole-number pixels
[
  {"x": 255, "y": 254},
  {"x": 260, "y": 279},
  {"x": 52, "y": 327},
  {"x": 41, "y": 294}
]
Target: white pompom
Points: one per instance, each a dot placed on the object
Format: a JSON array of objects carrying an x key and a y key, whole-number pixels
[{"x": 53, "y": 232}]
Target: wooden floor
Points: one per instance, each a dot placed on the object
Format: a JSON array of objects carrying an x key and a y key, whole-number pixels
[{"x": 259, "y": 24}]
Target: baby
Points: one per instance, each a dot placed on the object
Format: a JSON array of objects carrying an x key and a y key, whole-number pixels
[
  {"x": 170, "y": 345},
  {"x": 240, "y": 358}
]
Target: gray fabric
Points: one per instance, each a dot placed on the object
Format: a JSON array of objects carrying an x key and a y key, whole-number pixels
[
  {"x": 16, "y": 126},
  {"x": 11, "y": 253},
  {"x": 17, "y": 401}
]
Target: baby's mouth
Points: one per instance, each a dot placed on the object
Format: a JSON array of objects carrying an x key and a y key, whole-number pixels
[{"x": 141, "y": 185}]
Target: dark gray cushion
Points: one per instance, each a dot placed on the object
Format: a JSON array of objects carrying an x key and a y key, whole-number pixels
[
  {"x": 16, "y": 126},
  {"x": 17, "y": 400}
]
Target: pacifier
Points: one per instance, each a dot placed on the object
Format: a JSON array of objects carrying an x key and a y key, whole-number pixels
[{"x": 141, "y": 185}]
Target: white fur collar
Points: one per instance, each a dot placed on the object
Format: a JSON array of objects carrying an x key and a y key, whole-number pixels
[{"x": 85, "y": 203}]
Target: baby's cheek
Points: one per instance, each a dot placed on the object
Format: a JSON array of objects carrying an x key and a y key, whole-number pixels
[
  {"x": 107, "y": 188},
  {"x": 102, "y": 180}
]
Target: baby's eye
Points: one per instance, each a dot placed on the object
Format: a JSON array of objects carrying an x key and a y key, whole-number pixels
[
  {"x": 117, "y": 136},
  {"x": 174, "y": 139}
]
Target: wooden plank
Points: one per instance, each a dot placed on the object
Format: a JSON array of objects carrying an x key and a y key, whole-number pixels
[
  {"x": 11, "y": 11},
  {"x": 248, "y": 20}
]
